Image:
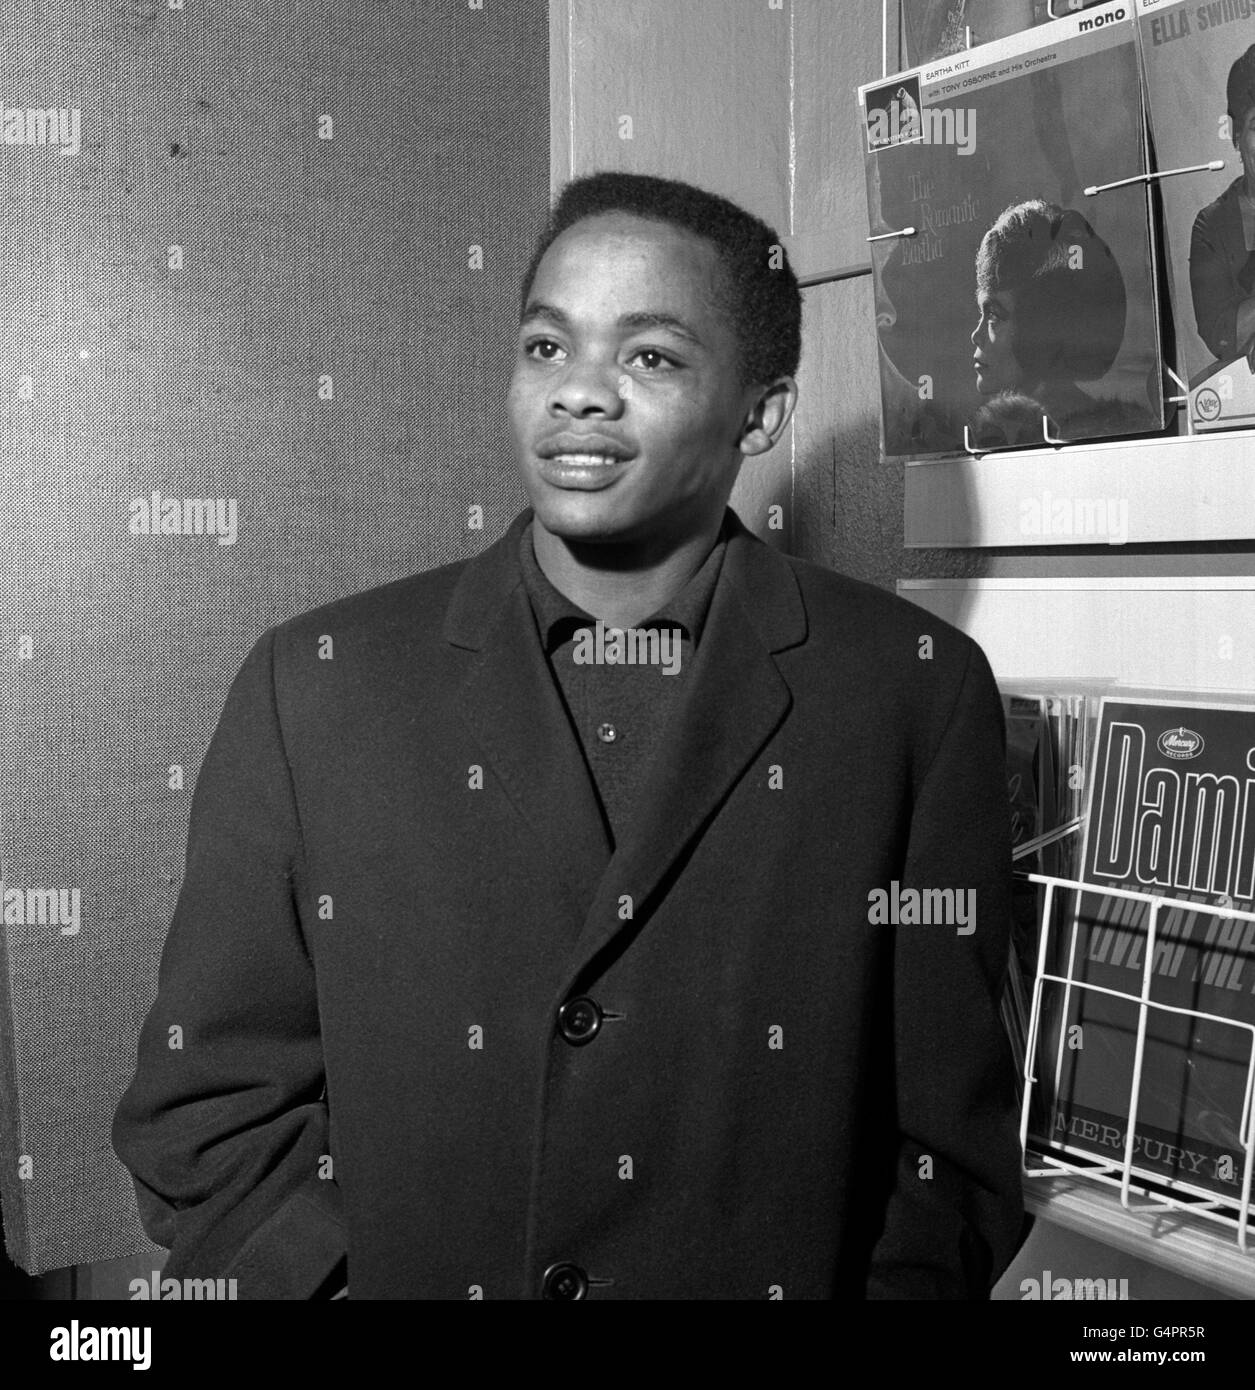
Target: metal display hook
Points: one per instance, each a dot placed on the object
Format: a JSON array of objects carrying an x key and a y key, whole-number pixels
[{"x": 1212, "y": 166}]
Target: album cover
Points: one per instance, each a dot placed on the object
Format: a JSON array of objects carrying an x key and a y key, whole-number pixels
[
  {"x": 1199, "y": 65},
  {"x": 1031, "y": 799},
  {"x": 1030, "y": 766},
  {"x": 1048, "y": 726},
  {"x": 1172, "y": 814},
  {"x": 1018, "y": 306}
]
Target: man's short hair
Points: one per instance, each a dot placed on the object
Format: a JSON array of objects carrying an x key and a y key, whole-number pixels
[
  {"x": 1070, "y": 301},
  {"x": 760, "y": 290},
  {"x": 1240, "y": 90}
]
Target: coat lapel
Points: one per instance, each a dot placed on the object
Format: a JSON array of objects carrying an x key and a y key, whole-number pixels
[
  {"x": 512, "y": 705},
  {"x": 734, "y": 702}
]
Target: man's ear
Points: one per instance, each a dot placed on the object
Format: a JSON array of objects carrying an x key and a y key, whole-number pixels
[{"x": 769, "y": 414}]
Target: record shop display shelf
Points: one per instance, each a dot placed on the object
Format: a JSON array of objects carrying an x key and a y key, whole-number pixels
[
  {"x": 1190, "y": 487},
  {"x": 1210, "y": 1240}
]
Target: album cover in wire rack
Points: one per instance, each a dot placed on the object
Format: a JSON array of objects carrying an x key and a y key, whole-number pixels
[{"x": 1171, "y": 813}]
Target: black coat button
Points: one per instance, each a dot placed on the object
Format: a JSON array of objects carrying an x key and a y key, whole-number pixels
[
  {"x": 564, "y": 1283},
  {"x": 579, "y": 1020}
]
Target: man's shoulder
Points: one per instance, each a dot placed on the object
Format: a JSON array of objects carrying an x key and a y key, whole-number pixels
[
  {"x": 379, "y": 644},
  {"x": 835, "y": 592},
  {"x": 417, "y": 603},
  {"x": 1221, "y": 211},
  {"x": 895, "y": 670},
  {"x": 855, "y": 613}
]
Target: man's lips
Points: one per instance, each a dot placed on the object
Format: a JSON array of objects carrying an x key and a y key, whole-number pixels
[{"x": 583, "y": 450}]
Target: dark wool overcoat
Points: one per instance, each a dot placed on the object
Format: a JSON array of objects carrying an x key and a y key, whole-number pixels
[{"x": 365, "y": 1042}]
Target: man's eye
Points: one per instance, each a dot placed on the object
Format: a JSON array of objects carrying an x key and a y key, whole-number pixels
[
  {"x": 542, "y": 350},
  {"x": 651, "y": 359}
]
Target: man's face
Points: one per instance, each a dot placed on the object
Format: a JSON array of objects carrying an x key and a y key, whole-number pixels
[
  {"x": 1244, "y": 141},
  {"x": 994, "y": 341},
  {"x": 626, "y": 405}
]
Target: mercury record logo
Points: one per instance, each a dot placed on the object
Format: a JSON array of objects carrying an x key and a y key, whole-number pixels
[{"x": 1180, "y": 743}]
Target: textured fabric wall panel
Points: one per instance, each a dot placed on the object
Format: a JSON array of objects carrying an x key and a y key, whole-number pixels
[{"x": 123, "y": 371}]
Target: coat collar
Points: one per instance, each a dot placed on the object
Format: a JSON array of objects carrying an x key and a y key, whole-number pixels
[
  {"x": 480, "y": 598},
  {"x": 734, "y": 701}
]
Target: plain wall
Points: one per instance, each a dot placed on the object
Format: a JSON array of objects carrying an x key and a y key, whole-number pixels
[{"x": 351, "y": 192}]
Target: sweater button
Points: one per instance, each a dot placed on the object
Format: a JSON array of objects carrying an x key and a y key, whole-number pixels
[
  {"x": 579, "y": 1020},
  {"x": 564, "y": 1283}
]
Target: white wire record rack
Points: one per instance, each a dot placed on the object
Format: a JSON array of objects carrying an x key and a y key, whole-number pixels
[{"x": 1041, "y": 1158}]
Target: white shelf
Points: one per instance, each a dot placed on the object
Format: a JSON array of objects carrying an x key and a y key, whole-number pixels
[
  {"x": 1194, "y": 488},
  {"x": 1175, "y": 1240},
  {"x": 1169, "y": 632}
]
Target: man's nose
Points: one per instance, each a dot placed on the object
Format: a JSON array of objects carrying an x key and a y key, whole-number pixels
[
  {"x": 976, "y": 332},
  {"x": 588, "y": 388}
]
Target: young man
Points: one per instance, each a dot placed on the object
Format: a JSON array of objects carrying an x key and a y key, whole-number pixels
[{"x": 510, "y": 968}]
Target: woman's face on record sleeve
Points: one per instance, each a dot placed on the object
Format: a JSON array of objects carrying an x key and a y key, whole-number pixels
[{"x": 993, "y": 338}]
